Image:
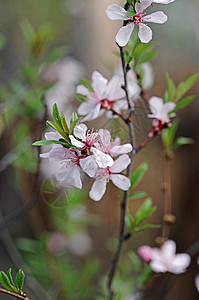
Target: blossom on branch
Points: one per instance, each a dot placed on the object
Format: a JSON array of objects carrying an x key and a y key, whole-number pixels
[
  {"x": 164, "y": 259},
  {"x": 116, "y": 12},
  {"x": 105, "y": 96}
]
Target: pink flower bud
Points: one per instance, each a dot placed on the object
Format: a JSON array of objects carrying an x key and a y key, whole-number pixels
[{"x": 145, "y": 252}]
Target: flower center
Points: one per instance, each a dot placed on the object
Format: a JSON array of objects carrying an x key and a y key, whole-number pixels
[
  {"x": 137, "y": 19},
  {"x": 107, "y": 104}
]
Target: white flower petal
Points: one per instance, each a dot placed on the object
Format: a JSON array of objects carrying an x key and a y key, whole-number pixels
[
  {"x": 89, "y": 165},
  {"x": 94, "y": 113},
  {"x": 99, "y": 84},
  {"x": 156, "y": 105},
  {"x": 105, "y": 137},
  {"x": 121, "y": 181},
  {"x": 180, "y": 263},
  {"x": 80, "y": 131},
  {"x": 169, "y": 106},
  {"x": 70, "y": 176},
  {"x": 145, "y": 33},
  {"x": 156, "y": 17},
  {"x": 81, "y": 89},
  {"x": 142, "y": 5},
  {"x": 124, "y": 34},
  {"x": 75, "y": 142},
  {"x": 85, "y": 108},
  {"x": 114, "y": 90},
  {"x": 98, "y": 189},
  {"x": 52, "y": 135},
  {"x": 116, "y": 12},
  {"x": 117, "y": 150},
  {"x": 120, "y": 164},
  {"x": 169, "y": 249},
  {"x": 197, "y": 282},
  {"x": 163, "y": 1},
  {"x": 103, "y": 160}
]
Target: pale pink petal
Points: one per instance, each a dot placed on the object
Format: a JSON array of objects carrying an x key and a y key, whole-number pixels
[
  {"x": 99, "y": 84},
  {"x": 89, "y": 165},
  {"x": 75, "y": 142},
  {"x": 142, "y": 5},
  {"x": 116, "y": 141},
  {"x": 116, "y": 150},
  {"x": 80, "y": 131},
  {"x": 163, "y": 1},
  {"x": 145, "y": 33},
  {"x": 94, "y": 113},
  {"x": 120, "y": 105},
  {"x": 158, "y": 267},
  {"x": 52, "y": 135},
  {"x": 124, "y": 34},
  {"x": 121, "y": 181},
  {"x": 169, "y": 106},
  {"x": 116, "y": 12},
  {"x": 81, "y": 89},
  {"x": 85, "y": 108},
  {"x": 70, "y": 176},
  {"x": 114, "y": 90},
  {"x": 156, "y": 105},
  {"x": 197, "y": 282},
  {"x": 156, "y": 17},
  {"x": 98, "y": 189},
  {"x": 145, "y": 252},
  {"x": 103, "y": 160},
  {"x": 168, "y": 249},
  {"x": 120, "y": 164},
  {"x": 105, "y": 137},
  {"x": 180, "y": 263}
]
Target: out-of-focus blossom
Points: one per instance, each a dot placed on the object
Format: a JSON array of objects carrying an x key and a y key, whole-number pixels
[
  {"x": 116, "y": 12},
  {"x": 163, "y": 1},
  {"x": 80, "y": 244},
  {"x": 145, "y": 252},
  {"x": 166, "y": 260},
  {"x": 103, "y": 176},
  {"x": 66, "y": 73},
  {"x": 105, "y": 96},
  {"x": 197, "y": 278},
  {"x": 56, "y": 242}
]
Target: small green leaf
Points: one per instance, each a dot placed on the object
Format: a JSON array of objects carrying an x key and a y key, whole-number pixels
[
  {"x": 171, "y": 89},
  {"x": 145, "y": 275},
  {"x": 144, "y": 211},
  {"x": 128, "y": 58},
  {"x": 19, "y": 279},
  {"x": 130, "y": 13},
  {"x": 182, "y": 141},
  {"x": 183, "y": 103},
  {"x": 136, "y": 261},
  {"x": 56, "y": 115},
  {"x": 144, "y": 53},
  {"x": 137, "y": 195},
  {"x": 6, "y": 282},
  {"x": 138, "y": 174},
  {"x": 64, "y": 124},
  {"x": 62, "y": 142},
  {"x": 80, "y": 97},
  {"x": 168, "y": 135},
  {"x": 145, "y": 227},
  {"x": 185, "y": 86},
  {"x": 87, "y": 84},
  {"x": 129, "y": 221},
  {"x": 10, "y": 276},
  {"x": 57, "y": 128},
  {"x": 28, "y": 31},
  {"x": 55, "y": 55},
  {"x": 73, "y": 122}
]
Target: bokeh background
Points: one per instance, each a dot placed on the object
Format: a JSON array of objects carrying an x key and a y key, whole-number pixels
[{"x": 82, "y": 26}]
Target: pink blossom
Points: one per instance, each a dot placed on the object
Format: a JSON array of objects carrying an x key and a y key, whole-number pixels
[
  {"x": 116, "y": 12},
  {"x": 105, "y": 96},
  {"x": 103, "y": 176},
  {"x": 165, "y": 260},
  {"x": 145, "y": 252},
  {"x": 160, "y": 110}
]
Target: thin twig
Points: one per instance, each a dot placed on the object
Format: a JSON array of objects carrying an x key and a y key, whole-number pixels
[{"x": 18, "y": 296}]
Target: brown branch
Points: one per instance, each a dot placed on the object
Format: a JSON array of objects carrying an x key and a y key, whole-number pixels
[{"x": 16, "y": 295}]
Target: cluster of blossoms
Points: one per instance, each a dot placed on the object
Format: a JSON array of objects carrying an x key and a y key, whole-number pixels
[
  {"x": 93, "y": 153},
  {"x": 138, "y": 18},
  {"x": 164, "y": 259}
]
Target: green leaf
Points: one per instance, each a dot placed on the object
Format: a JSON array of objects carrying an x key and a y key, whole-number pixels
[
  {"x": 182, "y": 141},
  {"x": 28, "y": 31},
  {"x": 10, "y": 276},
  {"x": 136, "y": 261},
  {"x": 128, "y": 58},
  {"x": 2, "y": 41},
  {"x": 6, "y": 282},
  {"x": 30, "y": 72},
  {"x": 62, "y": 142},
  {"x": 145, "y": 227},
  {"x": 129, "y": 221},
  {"x": 168, "y": 135},
  {"x": 144, "y": 53},
  {"x": 87, "y": 84},
  {"x": 64, "y": 124},
  {"x": 57, "y": 128},
  {"x": 73, "y": 122},
  {"x": 138, "y": 174},
  {"x": 145, "y": 275},
  {"x": 171, "y": 89},
  {"x": 56, "y": 115},
  {"x": 185, "y": 86},
  {"x": 55, "y": 55},
  {"x": 19, "y": 279},
  {"x": 130, "y": 13},
  {"x": 144, "y": 211},
  {"x": 80, "y": 97},
  {"x": 137, "y": 195},
  {"x": 183, "y": 103}
]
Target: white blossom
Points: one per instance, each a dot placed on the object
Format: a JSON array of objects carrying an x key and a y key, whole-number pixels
[
  {"x": 116, "y": 12},
  {"x": 160, "y": 110}
]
